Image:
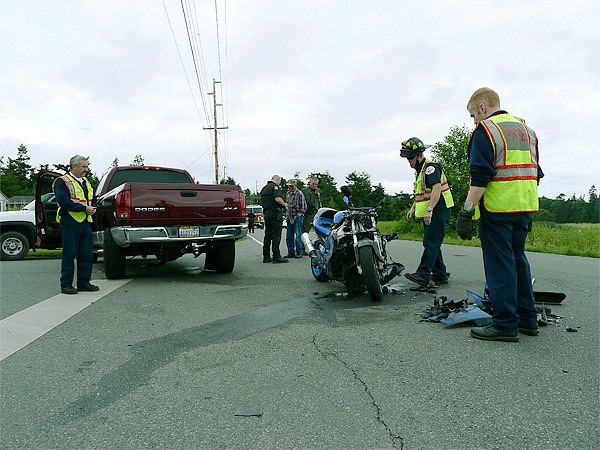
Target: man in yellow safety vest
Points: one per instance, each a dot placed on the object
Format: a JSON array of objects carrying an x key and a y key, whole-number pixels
[
  {"x": 76, "y": 206},
  {"x": 504, "y": 171},
  {"x": 432, "y": 203}
]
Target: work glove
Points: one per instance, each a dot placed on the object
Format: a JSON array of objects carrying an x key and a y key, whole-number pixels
[{"x": 464, "y": 224}]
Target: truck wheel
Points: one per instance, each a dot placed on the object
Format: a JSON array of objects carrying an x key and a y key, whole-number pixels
[
  {"x": 220, "y": 257},
  {"x": 14, "y": 246},
  {"x": 114, "y": 258},
  {"x": 370, "y": 275}
]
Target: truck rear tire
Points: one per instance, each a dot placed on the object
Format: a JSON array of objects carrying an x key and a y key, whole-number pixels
[
  {"x": 13, "y": 246},
  {"x": 220, "y": 257},
  {"x": 114, "y": 258}
]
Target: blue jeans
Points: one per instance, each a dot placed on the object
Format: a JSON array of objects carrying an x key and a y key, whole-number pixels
[
  {"x": 77, "y": 243},
  {"x": 432, "y": 262},
  {"x": 293, "y": 236},
  {"x": 507, "y": 270}
]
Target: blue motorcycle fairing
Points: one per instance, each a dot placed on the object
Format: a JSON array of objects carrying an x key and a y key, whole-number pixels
[{"x": 323, "y": 221}]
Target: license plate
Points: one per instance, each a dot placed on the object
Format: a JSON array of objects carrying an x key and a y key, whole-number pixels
[{"x": 189, "y": 232}]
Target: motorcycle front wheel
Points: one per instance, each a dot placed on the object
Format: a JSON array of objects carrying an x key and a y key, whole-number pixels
[
  {"x": 370, "y": 274},
  {"x": 318, "y": 272}
]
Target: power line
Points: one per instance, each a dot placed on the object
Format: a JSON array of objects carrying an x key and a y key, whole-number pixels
[
  {"x": 191, "y": 41},
  {"x": 198, "y": 42},
  {"x": 224, "y": 97},
  {"x": 195, "y": 44},
  {"x": 181, "y": 60},
  {"x": 218, "y": 43}
]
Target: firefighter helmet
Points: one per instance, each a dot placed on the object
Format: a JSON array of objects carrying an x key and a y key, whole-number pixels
[{"x": 412, "y": 147}]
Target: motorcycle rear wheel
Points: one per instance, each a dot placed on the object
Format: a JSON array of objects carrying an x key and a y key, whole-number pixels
[{"x": 370, "y": 274}]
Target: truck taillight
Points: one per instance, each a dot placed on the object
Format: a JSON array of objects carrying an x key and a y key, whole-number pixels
[
  {"x": 124, "y": 205},
  {"x": 243, "y": 202}
]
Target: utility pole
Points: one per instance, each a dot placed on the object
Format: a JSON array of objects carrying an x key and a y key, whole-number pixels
[{"x": 216, "y": 128}]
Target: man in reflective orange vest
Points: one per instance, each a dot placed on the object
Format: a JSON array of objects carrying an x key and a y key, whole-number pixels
[
  {"x": 432, "y": 204},
  {"x": 504, "y": 169},
  {"x": 76, "y": 206}
]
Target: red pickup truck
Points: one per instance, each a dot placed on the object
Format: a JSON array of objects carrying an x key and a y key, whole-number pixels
[{"x": 158, "y": 211}]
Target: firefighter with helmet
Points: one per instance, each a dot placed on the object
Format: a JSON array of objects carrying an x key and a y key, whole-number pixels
[{"x": 432, "y": 203}]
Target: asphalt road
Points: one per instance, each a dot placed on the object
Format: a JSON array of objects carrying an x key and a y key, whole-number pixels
[{"x": 176, "y": 358}]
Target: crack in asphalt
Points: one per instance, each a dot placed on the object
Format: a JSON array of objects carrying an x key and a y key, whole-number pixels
[
  {"x": 153, "y": 354},
  {"x": 397, "y": 441}
]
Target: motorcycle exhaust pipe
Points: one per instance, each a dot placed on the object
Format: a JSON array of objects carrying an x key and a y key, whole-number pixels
[
  {"x": 310, "y": 249},
  {"x": 308, "y": 244}
]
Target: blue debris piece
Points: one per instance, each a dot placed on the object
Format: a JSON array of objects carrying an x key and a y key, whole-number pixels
[
  {"x": 483, "y": 303},
  {"x": 392, "y": 270},
  {"x": 435, "y": 318},
  {"x": 471, "y": 313}
]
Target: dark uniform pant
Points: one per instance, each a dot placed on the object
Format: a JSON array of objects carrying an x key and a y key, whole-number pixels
[
  {"x": 432, "y": 262},
  {"x": 507, "y": 270},
  {"x": 273, "y": 222},
  {"x": 77, "y": 244},
  {"x": 308, "y": 221}
]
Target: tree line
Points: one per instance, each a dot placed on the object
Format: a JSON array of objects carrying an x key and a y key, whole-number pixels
[{"x": 18, "y": 177}]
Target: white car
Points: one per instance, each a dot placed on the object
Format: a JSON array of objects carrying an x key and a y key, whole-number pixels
[{"x": 18, "y": 232}]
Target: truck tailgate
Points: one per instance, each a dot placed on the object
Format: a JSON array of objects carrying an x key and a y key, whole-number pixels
[{"x": 181, "y": 204}]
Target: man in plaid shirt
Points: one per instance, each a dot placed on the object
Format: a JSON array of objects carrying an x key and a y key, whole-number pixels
[{"x": 295, "y": 217}]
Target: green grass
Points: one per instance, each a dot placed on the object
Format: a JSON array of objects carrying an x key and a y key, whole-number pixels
[
  {"x": 560, "y": 239},
  {"x": 43, "y": 254},
  {"x": 565, "y": 239}
]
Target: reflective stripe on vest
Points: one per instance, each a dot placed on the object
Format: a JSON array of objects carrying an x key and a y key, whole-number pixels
[
  {"x": 77, "y": 195},
  {"x": 423, "y": 194},
  {"x": 514, "y": 187}
]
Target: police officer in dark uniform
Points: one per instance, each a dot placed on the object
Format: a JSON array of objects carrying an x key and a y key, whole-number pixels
[{"x": 272, "y": 202}]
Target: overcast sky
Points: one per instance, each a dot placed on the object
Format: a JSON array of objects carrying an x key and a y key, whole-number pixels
[{"x": 307, "y": 86}]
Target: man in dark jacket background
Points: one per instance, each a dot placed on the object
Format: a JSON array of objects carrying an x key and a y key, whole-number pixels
[
  {"x": 312, "y": 194},
  {"x": 272, "y": 203}
]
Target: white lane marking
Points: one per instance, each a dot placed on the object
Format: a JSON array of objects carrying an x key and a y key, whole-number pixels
[
  {"x": 26, "y": 326},
  {"x": 254, "y": 239}
]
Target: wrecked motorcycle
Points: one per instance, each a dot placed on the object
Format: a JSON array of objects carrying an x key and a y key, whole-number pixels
[{"x": 349, "y": 248}]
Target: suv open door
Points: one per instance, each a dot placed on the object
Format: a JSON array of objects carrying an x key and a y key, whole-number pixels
[{"x": 47, "y": 228}]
